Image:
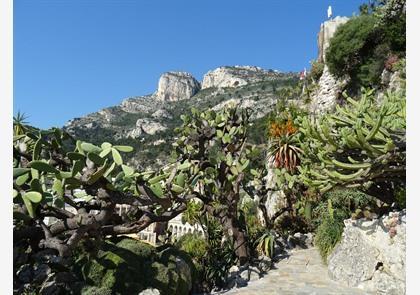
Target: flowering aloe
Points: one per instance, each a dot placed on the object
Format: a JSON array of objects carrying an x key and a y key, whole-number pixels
[{"x": 282, "y": 148}]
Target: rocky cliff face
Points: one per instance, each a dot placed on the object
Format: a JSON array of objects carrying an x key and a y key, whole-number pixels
[
  {"x": 174, "y": 86},
  {"x": 237, "y": 76},
  {"x": 327, "y": 92},
  {"x": 371, "y": 254},
  {"x": 329, "y": 87}
]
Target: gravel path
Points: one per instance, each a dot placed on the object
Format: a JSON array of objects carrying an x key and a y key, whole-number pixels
[{"x": 302, "y": 273}]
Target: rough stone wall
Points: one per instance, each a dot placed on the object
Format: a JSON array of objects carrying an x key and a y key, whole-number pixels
[{"x": 371, "y": 254}]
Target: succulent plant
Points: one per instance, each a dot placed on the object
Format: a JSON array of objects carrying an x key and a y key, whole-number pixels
[{"x": 361, "y": 144}]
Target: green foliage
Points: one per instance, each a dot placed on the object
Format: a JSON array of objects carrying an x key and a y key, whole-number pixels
[
  {"x": 327, "y": 235},
  {"x": 92, "y": 290},
  {"x": 400, "y": 66},
  {"x": 19, "y": 124},
  {"x": 400, "y": 197},
  {"x": 349, "y": 41},
  {"x": 265, "y": 244},
  {"x": 219, "y": 259},
  {"x": 362, "y": 144},
  {"x": 360, "y": 47},
  {"x": 127, "y": 266},
  {"x": 194, "y": 244},
  {"x": 341, "y": 203},
  {"x": 249, "y": 208},
  {"x": 332, "y": 209},
  {"x": 192, "y": 213},
  {"x": 316, "y": 71}
]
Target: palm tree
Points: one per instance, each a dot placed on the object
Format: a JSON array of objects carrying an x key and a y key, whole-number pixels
[{"x": 19, "y": 123}]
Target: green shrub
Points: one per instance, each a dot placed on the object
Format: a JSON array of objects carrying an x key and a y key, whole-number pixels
[
  {"x": 400, "y": 197},
  {"x": 265, "y": 244},
  {"x": 360, "y": 47},
  {"x": 317, "y": 69},
  {"x": 92, "y": 290},
  {"x": 343, "y": 201},
  {"x": 194, "y": 244},
  {"x": 327, "y": 235},
  {"x": 400, "y": 66},
  {"x": 350, "y": 39},
  {"x": 127, "y": 266},
  {"x": 333, "y": 207}
]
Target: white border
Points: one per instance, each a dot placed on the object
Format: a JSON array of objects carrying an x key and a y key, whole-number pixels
[
  {"x": 6, "y": 111},
  {"x": 413, "y": 148},
  {"x": 413, "y": 144}
]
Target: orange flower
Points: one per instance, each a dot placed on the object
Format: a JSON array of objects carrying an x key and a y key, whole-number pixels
[{"x": 278, "y": 130}]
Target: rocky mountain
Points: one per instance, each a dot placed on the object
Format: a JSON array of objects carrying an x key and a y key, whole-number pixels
[{"x": 147, "y": 122}]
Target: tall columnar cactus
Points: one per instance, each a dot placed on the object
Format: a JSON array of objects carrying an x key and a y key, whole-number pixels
[{"x": 361, "y": 145}]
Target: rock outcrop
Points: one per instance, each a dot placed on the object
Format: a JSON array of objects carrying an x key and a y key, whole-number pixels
[
  {"x": 329, "y": 87},
  {"x": 145, "y": 117},
  {"x": 137, "y": 104},
  {"x": 275, "y": 199},
  {"x": 174, "y": 86},
  {"x": 146, "y": 126},
  {"x": 371, "y": 254},
  {"x": 325, "y": 96},
  {"x": 234, "y": 76},
  {"x": 325, "y": 34}
]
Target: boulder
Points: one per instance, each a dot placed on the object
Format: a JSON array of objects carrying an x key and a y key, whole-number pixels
[
  {"x": 150, "y": 291},
  {"x": 240, "y": 276},
  {"x": 146, "y": 126},
  {"x": 174, "y": 86},
  {"x": 371, "y": 254}
]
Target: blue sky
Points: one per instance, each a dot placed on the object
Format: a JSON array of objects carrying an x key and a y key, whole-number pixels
[{"x": 74, "y": 57}]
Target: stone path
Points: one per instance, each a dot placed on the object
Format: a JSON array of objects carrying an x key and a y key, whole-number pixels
[{"x": 302, "y": 273}]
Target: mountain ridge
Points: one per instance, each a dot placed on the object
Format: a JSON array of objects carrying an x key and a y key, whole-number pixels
[{"x": 148, "y": 121}]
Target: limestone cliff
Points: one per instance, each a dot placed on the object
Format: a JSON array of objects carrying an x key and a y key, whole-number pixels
[
  {"x": 234, "y": 76},
  {"x": 329, "y": 87},
  {"x": 371, "y": 254},
  {"x": 174, "y": 86},
  {"x": 146, "y": 122}
]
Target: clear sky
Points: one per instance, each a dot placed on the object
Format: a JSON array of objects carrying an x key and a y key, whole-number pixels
[{"x": 74, "y": 57}]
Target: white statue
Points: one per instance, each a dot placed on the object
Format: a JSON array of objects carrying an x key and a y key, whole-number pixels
[{"x": 329, "y": 11}]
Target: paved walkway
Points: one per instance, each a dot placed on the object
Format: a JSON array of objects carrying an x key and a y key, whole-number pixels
[{"x": 302, "y": 273}]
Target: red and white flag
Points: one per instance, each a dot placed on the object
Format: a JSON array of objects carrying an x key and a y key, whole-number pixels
[{"x": 303, "y": 74}]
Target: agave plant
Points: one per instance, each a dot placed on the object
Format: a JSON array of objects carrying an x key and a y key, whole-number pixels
[
  {"x": 265, "y": 244},
  {"x": 282, "y": 149}
]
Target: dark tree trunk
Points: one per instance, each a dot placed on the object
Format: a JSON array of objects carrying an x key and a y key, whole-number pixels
[{"x": 232, "y": 226}]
